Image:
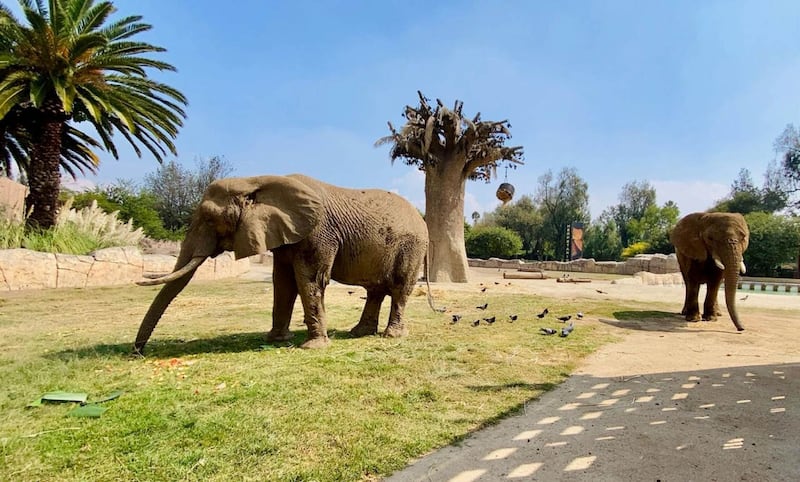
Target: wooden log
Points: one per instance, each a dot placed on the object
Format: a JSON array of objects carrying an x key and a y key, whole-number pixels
[
  {"x": 523, "y": 275},
  {"x": 573, "y": 280}
]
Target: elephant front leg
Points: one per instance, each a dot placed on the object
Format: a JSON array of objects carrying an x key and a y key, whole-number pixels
[
  {"x": 368, "y": 324},
  {"x": 710, "y": 306},
  {"x": 396, "y": 327},
  {"x": 312, "y": 294},
  {"x": 284, "y": 296},
  {"x": 691, "y": 309}
]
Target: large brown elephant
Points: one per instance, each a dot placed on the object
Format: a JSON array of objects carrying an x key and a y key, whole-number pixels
[
  {"x": 709, "y": 247},
  {"x": 316, "y": 232}
]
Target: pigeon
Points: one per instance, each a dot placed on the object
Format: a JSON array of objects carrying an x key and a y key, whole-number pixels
[
  {"x": 564, "y": 319},
  {"x": 350, "y": 292},
  {"x": 455, "y": 319},
  {"x": 541, "y": 315},
  {"x": 579, "y": 315},
  {"x": 490, "y": 320},
  {"x": 497, "y": 282},
  {"x": 513, "y": 317},
  {"x": 476, "y": 322},
  {"x": 483, "y": 290},
  {"x": 547, "y": 331},
  {"x": 745, "y": 297},
  {"x": 483, "y": 307},
  {"x": 601, "y": 292},
  {"x": 566, "y": 330}
]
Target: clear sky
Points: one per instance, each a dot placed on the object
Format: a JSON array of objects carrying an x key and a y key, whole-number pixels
[{"x": 682, "y": 94}]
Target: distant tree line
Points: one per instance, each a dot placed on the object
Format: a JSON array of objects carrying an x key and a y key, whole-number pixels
[
  {"x": 163, "y": 205},
  {"x": 534, "y": 226}
]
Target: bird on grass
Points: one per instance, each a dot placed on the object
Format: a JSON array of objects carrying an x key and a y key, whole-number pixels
[
  {"x": 564, "y": 318},
  {"x": 579, "y": 315},
  {"x": 543, "y": 313},
  {"x": 547, "y": 331},
  {"x": 512, "y": 317},
  {"x": 455, "y": 319},
  {"x": 483, "y": 290},
  {"x": 476, "y": 322},
  {"x": 566, "y": 330},
  {"x": 483, "y": 306},
  {"x": 490, "y": 320}
]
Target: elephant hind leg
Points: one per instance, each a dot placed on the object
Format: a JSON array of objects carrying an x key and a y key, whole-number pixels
[
  {"x": 368, "y": 324},
  {"x": 397, "y": 327}
]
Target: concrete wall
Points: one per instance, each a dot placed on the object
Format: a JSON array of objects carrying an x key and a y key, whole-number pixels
[
  {"x": 652, "y": 263},
  {"x": 23, "y": 269}
]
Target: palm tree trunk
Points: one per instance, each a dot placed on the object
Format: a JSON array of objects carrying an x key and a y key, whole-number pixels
[
  {"x": 44, "y": 176},
  {"x": 444, "y": 215}
]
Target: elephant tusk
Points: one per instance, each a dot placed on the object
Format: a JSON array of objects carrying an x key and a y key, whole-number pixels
[
  {"x": 742, "y": 268},
  {"x": 719, "y": 264},
  {"x": 187, "y": 268}
]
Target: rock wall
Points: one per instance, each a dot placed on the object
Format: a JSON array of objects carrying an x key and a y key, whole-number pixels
[
  {"x": 12, "y": 199},
  {"x": 23, "y": 269},
  {"x": 652, "y": 263}
]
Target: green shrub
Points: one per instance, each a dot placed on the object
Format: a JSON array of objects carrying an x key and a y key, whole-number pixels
[
  {"x": 140, "y": 208},
  {"x": 76, "y": 232},
  {"x": 492, "y": 241},
  {"x": 636, "y": 248}
]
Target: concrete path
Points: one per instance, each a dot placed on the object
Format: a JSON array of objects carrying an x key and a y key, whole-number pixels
[{"x": 724, "y": 406}]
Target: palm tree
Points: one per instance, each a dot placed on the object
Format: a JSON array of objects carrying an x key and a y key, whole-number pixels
[
  {"x": 450, "y": 149},
  {"x": 69, "y": 65}
]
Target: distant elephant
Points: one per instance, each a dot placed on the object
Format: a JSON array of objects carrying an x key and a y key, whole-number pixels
[
  {"x": 316, "y": 232},
  {"x": 709, "y": 247}
]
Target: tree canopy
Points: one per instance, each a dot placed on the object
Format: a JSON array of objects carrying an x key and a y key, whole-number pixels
[
  {"x": 451, "y": 149},
  {"x": 70, "y": 63}
]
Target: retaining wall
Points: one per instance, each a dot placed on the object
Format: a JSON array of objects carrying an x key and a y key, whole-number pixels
[
  {"x": 23, "y": 269},
  {"x": 652, "y": 263}
]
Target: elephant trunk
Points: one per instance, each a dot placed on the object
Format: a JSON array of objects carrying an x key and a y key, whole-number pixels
[
  {"x": 732, "y": 264},
  {"x": 164, "y": 298}
]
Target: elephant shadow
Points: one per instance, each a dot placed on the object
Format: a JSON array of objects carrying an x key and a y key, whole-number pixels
[
  {"x": 173, "y": 348},
  {"x": 653, "y": 320}
]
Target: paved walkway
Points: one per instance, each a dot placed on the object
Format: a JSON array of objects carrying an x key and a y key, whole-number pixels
[{"x": 725, "y": 407}]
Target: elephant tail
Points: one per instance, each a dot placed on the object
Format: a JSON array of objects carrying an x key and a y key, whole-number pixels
[{"x": 428, "y": 283}]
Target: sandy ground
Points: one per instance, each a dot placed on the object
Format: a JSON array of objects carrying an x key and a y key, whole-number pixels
[{"x": 671, "y": 401}]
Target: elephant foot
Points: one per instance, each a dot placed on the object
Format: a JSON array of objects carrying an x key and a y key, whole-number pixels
[
  {"x": 395, "y": 331},
  {"x": 693, "y": 317},
  {"x": 279, "y": 335},
  {"x": 364, "y": 329},
  {"x": 317, "y": 342},
  {"x": 711, "y": 317}
]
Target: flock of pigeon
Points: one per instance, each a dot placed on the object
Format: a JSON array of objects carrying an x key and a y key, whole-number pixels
[{"x": 563, "y": 332}]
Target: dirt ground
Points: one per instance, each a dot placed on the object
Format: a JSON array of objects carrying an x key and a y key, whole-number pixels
[{"x": 671, "y": 401}]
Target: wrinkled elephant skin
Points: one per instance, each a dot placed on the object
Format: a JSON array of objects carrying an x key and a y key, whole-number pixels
[
  {"x": 317, "y": 232},
  {"x": 710, "y": 249}
]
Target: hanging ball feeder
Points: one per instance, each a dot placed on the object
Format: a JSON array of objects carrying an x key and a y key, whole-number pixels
[{"x": 505, "y": 192}]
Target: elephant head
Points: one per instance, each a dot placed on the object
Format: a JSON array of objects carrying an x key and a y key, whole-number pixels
[
  {"x": 718, "y": 238},
  {"x": 245, "y": 215}
]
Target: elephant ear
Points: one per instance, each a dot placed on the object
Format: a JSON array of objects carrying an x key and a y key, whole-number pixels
[
  {"x": 687, "y": 237},
  {"x": 276, "y": 211}
]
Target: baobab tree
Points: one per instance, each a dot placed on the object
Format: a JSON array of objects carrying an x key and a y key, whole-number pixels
[{"x": 450, "y": 149}]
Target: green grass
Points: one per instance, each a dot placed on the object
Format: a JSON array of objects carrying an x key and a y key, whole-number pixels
[{"x": 213, "y": 401}]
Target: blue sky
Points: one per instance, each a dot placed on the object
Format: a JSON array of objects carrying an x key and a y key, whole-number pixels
[{"x": 682, "y": 94}]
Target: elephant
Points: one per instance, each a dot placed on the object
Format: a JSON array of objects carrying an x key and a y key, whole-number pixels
[
  {"x": 709, "y": 247},
  {"x": 316, "y": 232}
]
